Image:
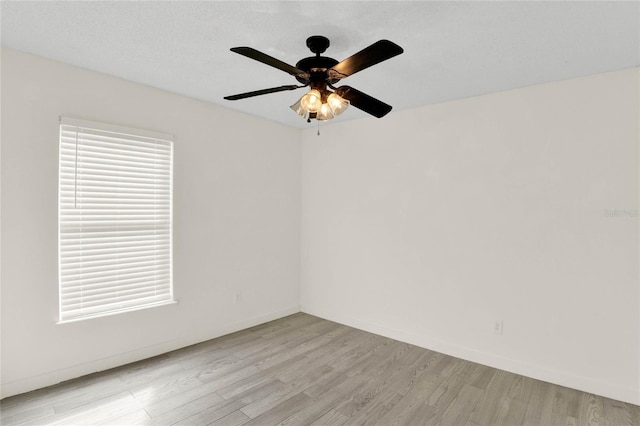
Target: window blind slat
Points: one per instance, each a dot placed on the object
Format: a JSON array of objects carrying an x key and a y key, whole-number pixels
[
  {"x": 110, "y": 201},
  {"x": 80, "y": 256},
  {"x": 113, "y": 137},
  {"x": 96, "y": 235},
  {"x": 92, "y": 264},
  {"x": 93, "y": 243},
  {"x": 72, "y": 291},
  {"x": 123, "y": 293},
  {"x": 80, "y": 282},
  {"x": 114, "y": 188},
  {"x": 86, "y": 269},
  {"x": 115, "y": 215},
  {"x": 79, "y": 311},
  {"x": 89, "y": 157},
  {"x": 130, "y": 142},
  {"x": 69, "y": 162},
  {"x": 155, "y": 151},
  {"x": 72, "y": 179}
]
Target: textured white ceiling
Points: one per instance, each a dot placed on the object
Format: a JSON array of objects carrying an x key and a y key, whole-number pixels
[{"x": 452, "y": 49}]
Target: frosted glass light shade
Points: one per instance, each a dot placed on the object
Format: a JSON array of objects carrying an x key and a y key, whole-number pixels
[
  {"x": 337, "y": 103},
  {"x": 324, "y": 113},
  {"x": 297, "y": 107},
  {"x": 312, "y": 101}
]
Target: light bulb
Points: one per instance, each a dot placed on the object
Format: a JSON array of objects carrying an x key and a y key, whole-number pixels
[
  {"x": 324, "y": 113},
  {"x": 337, "y": 103},
  {"x": 312, "y": 101}
]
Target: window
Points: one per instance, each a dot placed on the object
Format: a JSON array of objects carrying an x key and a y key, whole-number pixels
[{"x": 115, "y": 219}]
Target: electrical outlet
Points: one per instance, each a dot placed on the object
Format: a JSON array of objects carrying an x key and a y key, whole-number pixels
[
  {"x": 497, "y": 327},
  {"x": 238, "y": 297}
]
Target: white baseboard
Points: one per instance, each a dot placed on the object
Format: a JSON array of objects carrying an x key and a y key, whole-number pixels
[
  {"x": 53, "y": 377},
  {"x": 586, "y": 384}
]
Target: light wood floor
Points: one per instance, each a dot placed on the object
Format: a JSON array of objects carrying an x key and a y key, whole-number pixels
[{"x": 302, "y": 370}]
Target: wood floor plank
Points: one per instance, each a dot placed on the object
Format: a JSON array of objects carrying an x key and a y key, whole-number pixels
[
  {"x": 99, "y": 410},
  {"x": 491, "y": 402},
  {"x": 192, "y": 400},
  {"x": 365, "y": 362},
  {"x": 335, "y": 394},
  {"x": 331, "y": 418},
  {"x": 302, "y": 370},
  {"x": 566, "y": 401},
  {"x": 237, "y": 418},
  {"x": 163, "y": 389},
  {"x": 464, "y": 403},
  {"x": 281, "y": 411},
  {"x": 540, "y": 404},
  {"x": 377, "y": 396},
  {"x": 617, "y": 413},
  {"x": 592, "y": 411},
  {"x": 514, "y": 412},
  {"x": 206, "y": 416},
  {"x": 286, "y": 391},
  {"x": 449, "y": 391},
  {"x": 331, "y": 350},
  {"x": 70, "y": 394},
  {"x": 375, "y": 409},
  {"x": 356, "y": 384},
  {"x": 28, "y": 415},
  {"x": 482, "y": 380},
  {"x": 130, "y": 419},
  {"x": 405, "y": 381},
  {"x": 411, "y": 405},
  {"x": 180, "y": 408},
  {"x": 243, "y": 385},
  {"x": 421, "y": 415}
]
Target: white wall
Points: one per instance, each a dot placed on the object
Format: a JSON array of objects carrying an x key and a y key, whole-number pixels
[
  {"x": 430, "y": 224},
  {"x": 236, "y": 222},
  {"x": 426, "y": 226}
]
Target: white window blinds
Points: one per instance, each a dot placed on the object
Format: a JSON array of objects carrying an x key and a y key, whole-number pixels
[{"x": 115, "y": 219}]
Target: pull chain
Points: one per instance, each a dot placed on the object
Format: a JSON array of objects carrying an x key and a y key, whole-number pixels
[{"x": 318, "y": 128}]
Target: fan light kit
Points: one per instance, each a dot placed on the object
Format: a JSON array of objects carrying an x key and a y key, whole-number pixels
[
  {"x": 319, "y": 73},
  {"x": 324, "y": 105}
]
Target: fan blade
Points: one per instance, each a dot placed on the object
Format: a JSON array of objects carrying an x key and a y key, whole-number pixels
[
  {"x": 363, "y": 101},
  {"x": 374, "y": 54},
  {"x": 261, "y": 92},
  {"x": 270, "y": 60}
]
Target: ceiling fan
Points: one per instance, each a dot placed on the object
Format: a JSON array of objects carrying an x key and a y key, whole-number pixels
[{"x": 320, "y": 73}]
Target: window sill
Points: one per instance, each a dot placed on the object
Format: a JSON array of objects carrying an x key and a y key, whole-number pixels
[{"x": 121, "y": 311}]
